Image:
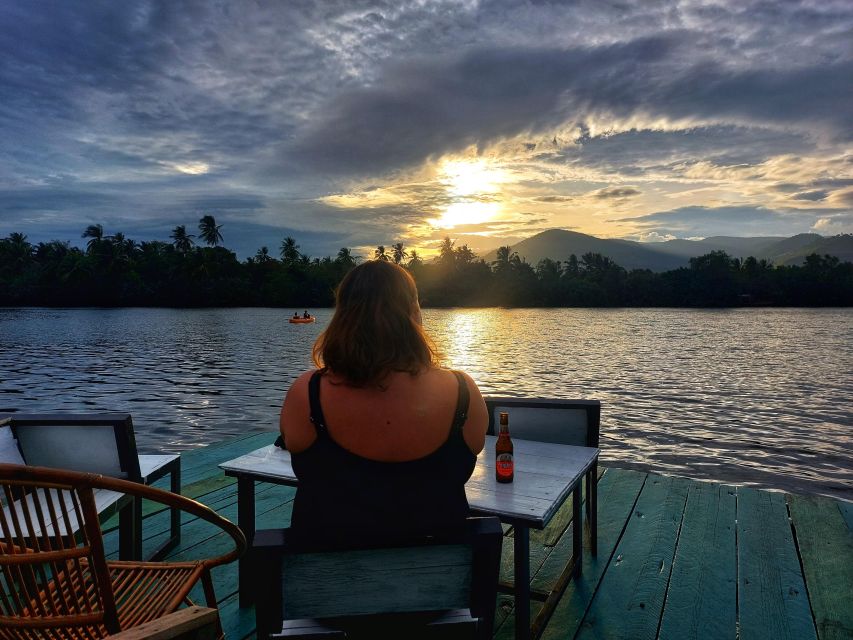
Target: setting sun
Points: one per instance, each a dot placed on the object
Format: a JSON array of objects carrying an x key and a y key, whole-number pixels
[{"x": 473, "y": 187}]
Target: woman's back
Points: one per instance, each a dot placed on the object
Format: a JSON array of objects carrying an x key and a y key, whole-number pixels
[{"x": 377, "y": 459}]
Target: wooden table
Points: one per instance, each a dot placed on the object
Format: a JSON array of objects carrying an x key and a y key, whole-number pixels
[{"x": 545, "y": 475}]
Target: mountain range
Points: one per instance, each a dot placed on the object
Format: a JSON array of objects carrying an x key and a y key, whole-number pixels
[{"x": 559, "y": 244}]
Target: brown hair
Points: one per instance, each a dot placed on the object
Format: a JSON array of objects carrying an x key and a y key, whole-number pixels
[{"x": 374, "y": 329}]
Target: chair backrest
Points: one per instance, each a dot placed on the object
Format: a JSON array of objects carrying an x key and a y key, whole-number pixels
[
  {"x": 574, "y": 422},
  {"x": 94, "y": 443},
  {"x": 54, "y": 581},
  {"x": 371, "y": 579}
]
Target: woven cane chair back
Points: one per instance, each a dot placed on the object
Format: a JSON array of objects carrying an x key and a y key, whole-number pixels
[{"x": 54, "y": 581}]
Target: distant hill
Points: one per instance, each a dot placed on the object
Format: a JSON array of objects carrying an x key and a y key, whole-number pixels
[{"x": 559, "y": 244}]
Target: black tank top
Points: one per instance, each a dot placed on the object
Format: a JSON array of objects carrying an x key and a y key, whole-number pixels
[{"x": 341, "y": 492}]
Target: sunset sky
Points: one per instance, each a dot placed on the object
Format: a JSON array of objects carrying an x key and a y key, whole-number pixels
[{"x": 347, "y": 123}]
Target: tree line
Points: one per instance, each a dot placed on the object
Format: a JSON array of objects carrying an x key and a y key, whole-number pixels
[{"x": 114, "y": 270}]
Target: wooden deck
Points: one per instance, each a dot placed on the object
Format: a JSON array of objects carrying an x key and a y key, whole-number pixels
[{"x": 677, "y": 559}]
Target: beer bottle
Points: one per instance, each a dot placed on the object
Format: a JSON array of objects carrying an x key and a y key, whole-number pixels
[{"x": 504, "y": 464}]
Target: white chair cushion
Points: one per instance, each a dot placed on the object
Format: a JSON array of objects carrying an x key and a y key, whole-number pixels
[{"x": 9, "y": 453}]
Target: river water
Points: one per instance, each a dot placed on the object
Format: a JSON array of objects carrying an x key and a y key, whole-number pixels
[{"x": 756, "y": 396}]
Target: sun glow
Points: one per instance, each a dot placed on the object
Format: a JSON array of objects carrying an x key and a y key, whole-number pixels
[{"x": 473, "y": 188}]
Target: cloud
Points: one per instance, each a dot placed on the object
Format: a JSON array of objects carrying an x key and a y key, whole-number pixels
[
  {"x": 615, "y": 193},
  {"x": 654, "y": 236},
  {"x": 813, "y": 196},
  {"x": 834, "y": 224},
  {"x": 426, "y": 108},
  {"x": 553, "y": 199},
  {"x": 700, "y": 221}
]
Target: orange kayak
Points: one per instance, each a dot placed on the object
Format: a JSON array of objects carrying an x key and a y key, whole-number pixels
[{"x": 302, "y": 320}]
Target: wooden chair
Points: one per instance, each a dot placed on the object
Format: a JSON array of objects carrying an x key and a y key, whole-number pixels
[
  {"x": 55, "y": 583},
  {"x": 101, "y": 443},
  {"x": 442, "y": 586},
  {"x": 573, "y": 422}
]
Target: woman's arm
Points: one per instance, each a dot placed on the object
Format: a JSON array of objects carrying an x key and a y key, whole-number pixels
[{"x": 475, "y": 427}]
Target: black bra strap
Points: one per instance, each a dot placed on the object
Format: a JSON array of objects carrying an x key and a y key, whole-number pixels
[
  {"x": 462, "y": 403},
  {"x": 317, "y": 418}
]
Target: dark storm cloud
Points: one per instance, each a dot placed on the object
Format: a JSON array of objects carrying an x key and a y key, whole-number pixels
[{"x": 425, "y": 109}]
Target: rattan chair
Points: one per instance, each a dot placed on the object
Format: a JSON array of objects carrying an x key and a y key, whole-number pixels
[{"x": 55, "y": 583}]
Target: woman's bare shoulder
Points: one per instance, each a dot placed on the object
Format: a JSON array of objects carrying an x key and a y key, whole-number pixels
[
  {"x": 474, "y": 429},
  {"x": 295, "y": 418}
]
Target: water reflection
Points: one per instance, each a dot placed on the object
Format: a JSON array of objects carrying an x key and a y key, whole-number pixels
[{"x": 759, "y": 395}]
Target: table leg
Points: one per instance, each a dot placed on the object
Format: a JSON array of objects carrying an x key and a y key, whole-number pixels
[
  {"x": 592, "y": 508},
  {"x": 175, "y": 514},
  {"x": 522, "y": 582},
  {"x": 130, "y": 530},
  {"x": 577, "y": 529},
  {"x": 246, "y": 522}
]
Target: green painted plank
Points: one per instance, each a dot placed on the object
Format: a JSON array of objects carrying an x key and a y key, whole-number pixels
[
  {"x": 225, "y": 577},
  {"x": 772, "y": 598},
  {"x": 502, "y": 610},
  {"x": 202, "y": 462},
  {"x": 156, "y": 528},
  {"x": 506, "y": 631},
  {"x": 846, "y": 509},
  {"x": 629, "y": 601},
  {"x": 701, "y": 600},
  {"x": 237, "y": 623},
  {"x": 617, "y": 495},
  {"x": 551, "y": 534},
  {"x": 826, "y": 550}
]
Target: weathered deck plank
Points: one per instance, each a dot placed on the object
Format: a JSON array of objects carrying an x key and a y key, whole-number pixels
[
  {"x": 846, "y": 509},
  {"x": 701, "y": 600},
  {"x": 826, "y": 551},
  {"x": 617, "y": 496},
  {"x": 772, "y": 598},
  {"x": 629, "y": 601}
]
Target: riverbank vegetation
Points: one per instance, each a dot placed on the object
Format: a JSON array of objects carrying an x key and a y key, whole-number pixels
[{"x": 116, "y": 271}]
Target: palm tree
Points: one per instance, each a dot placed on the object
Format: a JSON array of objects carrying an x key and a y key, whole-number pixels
[
  {"x": 210, "y": 230},
  {"x": 399, "y": 253},
  {"x": 290, "y": 251},
  {"x": 505, "y": 258},
  {"x": 182, "y": 240},
  {"x": 122, "y": 247},
  {"x": 414, "y": 260},
  {"x": 345, "y": 258},
  {"x": 263, "y": 255},
  {"x": 445, "y": 252},
  {"x": 19, "y": 249},
  {"x": 380, "y": 254},
  {"x": 464, "y": 255},
  {"x": 96, "y": 233}
]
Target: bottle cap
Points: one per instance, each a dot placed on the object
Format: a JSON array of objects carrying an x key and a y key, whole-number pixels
[{"x": 504, "y": 417}]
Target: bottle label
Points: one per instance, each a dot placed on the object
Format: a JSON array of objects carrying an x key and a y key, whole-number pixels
[{"x": 504, "y": 464}]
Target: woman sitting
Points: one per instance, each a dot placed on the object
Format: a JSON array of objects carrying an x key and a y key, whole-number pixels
[{"x": 381, "y": 438}]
